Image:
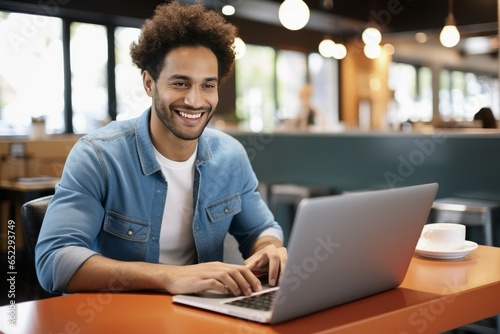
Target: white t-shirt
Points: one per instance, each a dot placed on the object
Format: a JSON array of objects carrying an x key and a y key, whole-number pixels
[{"x": 177, "y": 246}]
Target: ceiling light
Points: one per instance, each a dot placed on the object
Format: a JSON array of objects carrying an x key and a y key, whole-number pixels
[
  {"x": 240, "y": 48},
  {"x": 389, "y": 49},
  {"x": 340, "y": 51},
  {"x": 421, "y": 37},
  {"x": 450, "y": 36},
  {"x": 372, "y": 51},
  {"x": 479, "y": 45},
  {"x": 371, "y": 36},
  {"x": 228, "y": 10},
  {"x": 328, "y": 4},
  {"x": 327, "y": 48},
  {"x": 294, "y": 14}
]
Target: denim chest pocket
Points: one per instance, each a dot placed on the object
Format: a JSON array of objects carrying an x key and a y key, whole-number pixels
[
  {"x": 124, "y": 238},
  {"x": 224, "y": 208}
]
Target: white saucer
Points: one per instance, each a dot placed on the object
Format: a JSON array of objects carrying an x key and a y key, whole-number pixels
[{"x": 446, "y": 254}]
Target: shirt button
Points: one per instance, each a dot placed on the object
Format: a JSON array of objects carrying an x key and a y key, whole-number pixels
[
  {"x": 130, "y": 232},
  {"x": 226, "y": 210}
]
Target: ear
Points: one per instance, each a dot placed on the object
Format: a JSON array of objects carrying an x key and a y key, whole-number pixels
[{"x": 148, "y": 82}]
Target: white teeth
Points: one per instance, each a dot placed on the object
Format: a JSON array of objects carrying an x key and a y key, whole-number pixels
[{"x": 190, "y": 116}]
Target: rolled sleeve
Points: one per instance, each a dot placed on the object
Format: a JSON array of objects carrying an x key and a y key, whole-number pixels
[
  {"x": 66, "y": 263},
  {"x": 272, "y": 232},
  {"x": 72, "y": 221}
]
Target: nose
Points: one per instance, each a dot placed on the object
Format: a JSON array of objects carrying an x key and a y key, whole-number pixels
[{"x": 194, "y": 97}]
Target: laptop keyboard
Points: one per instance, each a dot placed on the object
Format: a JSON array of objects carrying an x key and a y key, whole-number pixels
[{"x": 262, "y": 302}]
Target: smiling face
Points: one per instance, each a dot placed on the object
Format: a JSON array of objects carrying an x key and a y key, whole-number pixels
[{"x": 184, "y": 98}]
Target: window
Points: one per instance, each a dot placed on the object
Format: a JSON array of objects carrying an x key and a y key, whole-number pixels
[
  {"x": 462, "y": 94},
  {"x": 31, "y": 73},
  {"x": 268, "y": 82},
  {"x": 132, "y": 100},
  {"x": 88, "y": 50},
  {"x": 323, "y": 74},
  {"x": 33, "y": 77},
  {"x": 424, "y": 104},
  {"x": 412, "y": 87},
  {"x": 255, "y": 88},
  {"x": 291, "y": 70}
]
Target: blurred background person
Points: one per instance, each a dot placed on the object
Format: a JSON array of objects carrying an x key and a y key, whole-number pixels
[
  {"x": 485, "y": 115},
  {"x": 308, "y": 116}
]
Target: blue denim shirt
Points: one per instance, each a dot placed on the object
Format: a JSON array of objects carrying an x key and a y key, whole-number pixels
[{"x": 112, "y": 193}]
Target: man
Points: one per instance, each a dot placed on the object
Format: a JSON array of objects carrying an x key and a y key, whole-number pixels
[
  {"x": 145, "y": 204},
  {"x": 308, "y": 116}
]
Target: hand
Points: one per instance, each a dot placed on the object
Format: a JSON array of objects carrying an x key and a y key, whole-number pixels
[
  {"x": 270, "y": 258},
  {"x": 222, "y": 277}
]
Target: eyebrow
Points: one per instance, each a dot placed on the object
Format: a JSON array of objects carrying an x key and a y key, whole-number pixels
[{"x": 185, "y": 77}]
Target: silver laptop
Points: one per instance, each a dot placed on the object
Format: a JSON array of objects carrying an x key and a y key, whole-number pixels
[{"x": 341, "y": 248}]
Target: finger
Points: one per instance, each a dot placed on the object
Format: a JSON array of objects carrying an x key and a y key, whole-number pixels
[
  {"x": 274, "y": 268},
  {"x": 260, "y": 272},
  {"x": 246, "y": 280},
  {"x": 283, "y": 260},
  {"x": 213, "y": 285},
  {"x": 277, "y": 263},
  {"x": 251, "y": 279},
  {"x": 255, "y": 261},
  {"x": 233, "y": 286},
  {"x": 239, "y": 280}
]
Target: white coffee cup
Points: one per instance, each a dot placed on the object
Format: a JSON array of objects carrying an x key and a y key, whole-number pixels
[{"x": 443, "y": 236}]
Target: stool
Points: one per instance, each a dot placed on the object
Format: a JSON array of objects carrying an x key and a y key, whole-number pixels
[
  {"x": 291, "y": 195},
  {"x": 469, "y": 212}
]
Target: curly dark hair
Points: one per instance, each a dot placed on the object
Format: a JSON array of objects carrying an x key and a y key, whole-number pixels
[{"x": 175, "y": 25}]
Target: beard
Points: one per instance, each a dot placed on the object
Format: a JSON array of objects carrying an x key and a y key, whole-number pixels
[{"x": 167, "y": 118}]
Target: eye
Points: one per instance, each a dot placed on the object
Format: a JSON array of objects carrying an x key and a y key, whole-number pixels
[
  {"x": 180, "y": 84},
  {"x": 209, "y": 85}
]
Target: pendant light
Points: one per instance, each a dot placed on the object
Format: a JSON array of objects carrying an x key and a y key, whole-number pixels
[
  {"x": 372, "y": 51},
  {"x": 450, "y": 36},
  {"x": 372, "y": 37},
  {"x": 329, "y": 49},
  {"x": 294, "y": 14},
  {"x": 340, "y": 51}
]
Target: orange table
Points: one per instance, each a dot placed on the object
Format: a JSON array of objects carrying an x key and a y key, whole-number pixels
[{"x": 436, "y": 296}]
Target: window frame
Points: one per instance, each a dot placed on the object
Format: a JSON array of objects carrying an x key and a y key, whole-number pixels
[{"x": 66, "y": 22}]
